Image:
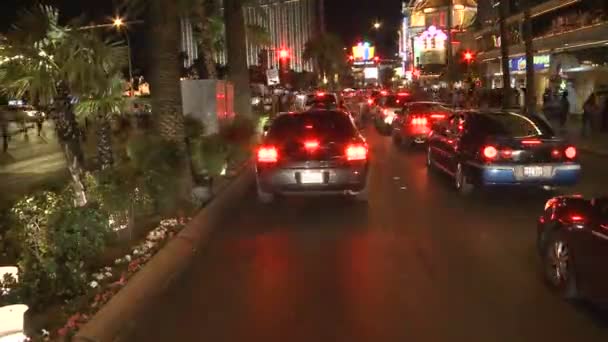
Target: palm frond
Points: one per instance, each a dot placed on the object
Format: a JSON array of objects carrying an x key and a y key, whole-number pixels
[{"x": 108, "y": 100}]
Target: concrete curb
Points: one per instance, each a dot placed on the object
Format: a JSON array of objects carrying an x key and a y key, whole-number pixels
[{"x": 114, "y": 320}]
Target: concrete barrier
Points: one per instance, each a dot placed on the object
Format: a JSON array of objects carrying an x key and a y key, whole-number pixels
[{"x": 114, "y": 320}]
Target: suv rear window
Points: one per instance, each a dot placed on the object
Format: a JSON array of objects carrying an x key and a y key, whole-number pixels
[
  {"x": 512, "y": 125},
  {"x": 423, "y": 108},
  {"x": 322, "y": 125}
]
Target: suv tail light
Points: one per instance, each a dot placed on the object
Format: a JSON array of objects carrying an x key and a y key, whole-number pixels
[
  {"x": 356, "y": 152},
  {"x": 268, "y": 154},
  {"x": 573, "y": 218},
  {"x": 438, "y": 116},
  {"x": 570, "y": 152},
  {"x": 370, "y": 102},
  {"x": 311, "y": 145}
]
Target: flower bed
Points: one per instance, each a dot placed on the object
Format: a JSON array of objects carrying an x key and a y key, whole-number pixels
[{"x": 107, "y": 281}]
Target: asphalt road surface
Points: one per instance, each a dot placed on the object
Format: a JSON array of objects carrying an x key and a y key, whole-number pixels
[{"x": 420, "y": 263}]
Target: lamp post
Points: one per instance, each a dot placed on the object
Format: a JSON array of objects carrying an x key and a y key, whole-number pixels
[{"x": 119, "y": 23}]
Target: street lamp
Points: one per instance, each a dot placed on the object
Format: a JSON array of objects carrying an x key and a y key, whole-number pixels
[
  {"x": 119, "y": 23},
  {"x": 377, "y": 25}
]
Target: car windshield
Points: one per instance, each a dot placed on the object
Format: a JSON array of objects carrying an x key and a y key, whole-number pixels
[
  {"x": 514, "y": 125},
  {"x": 323, "y": 125}
]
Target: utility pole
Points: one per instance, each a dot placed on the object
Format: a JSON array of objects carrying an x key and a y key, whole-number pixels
[
  {"x": 503, "y": 10},
  {"x": 530, "y": 84},
  {"x": 450, "y": 55}
]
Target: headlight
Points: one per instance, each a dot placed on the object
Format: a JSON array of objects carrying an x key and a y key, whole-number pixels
[{"x": 30, "y": 113}]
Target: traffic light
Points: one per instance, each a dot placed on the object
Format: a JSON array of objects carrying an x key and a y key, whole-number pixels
[
  {"x": 283, "y": 54},
  {"x": 284, "y": 65},
  {"x": 468, "y": 56}
]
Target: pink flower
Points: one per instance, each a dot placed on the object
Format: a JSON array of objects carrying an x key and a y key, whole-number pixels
[{"x": 62, "y": 332}]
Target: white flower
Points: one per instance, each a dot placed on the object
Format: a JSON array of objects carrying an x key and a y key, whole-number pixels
[
  {"x": 45, "y": 333},
  {"x": 107, "y": 269},
  {"x": 136, "y": 251},
  {"x": 108, "y": 274},
  {"x": 93, "y": 284},
  {"x": 128, "y": 258},
  {"x": 98, "y": 276},
  {"x": 118, "y": 261}
]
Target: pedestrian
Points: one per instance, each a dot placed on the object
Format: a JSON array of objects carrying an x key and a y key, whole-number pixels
[
  {"x": 589, "y": 108},
  {"x": 5, "y": 134},
  {"x": 39, "y": 123},
  {"x": 564, "y": 110},
  {"x": 605, "y": 116}
]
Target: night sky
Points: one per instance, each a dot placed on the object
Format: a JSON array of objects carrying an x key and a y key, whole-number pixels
[{"x": 351, "y": 20}]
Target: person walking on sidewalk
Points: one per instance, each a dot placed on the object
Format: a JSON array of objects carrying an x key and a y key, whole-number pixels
[
  {"x": 589, "y": 108},
  {"x": 39, "y": 123},
  {"x": 564, "y": 110}
]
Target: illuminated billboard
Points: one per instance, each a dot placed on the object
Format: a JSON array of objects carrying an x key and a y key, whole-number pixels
[
  {"x": 363, "y": 51},
  {"x": 430, "y": 46}
]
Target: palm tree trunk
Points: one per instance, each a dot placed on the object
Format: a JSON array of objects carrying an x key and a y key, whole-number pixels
[
  {"x": 68, "y": 134},
  {"x": 202, "y": 23},
  {"x": 504, "y": 51},
  {"x": 530, "y": 83},
  {"x": 236, "y": 45},
  {"x": 104, "y": 143},
  {"x": 165, "y": 81}
]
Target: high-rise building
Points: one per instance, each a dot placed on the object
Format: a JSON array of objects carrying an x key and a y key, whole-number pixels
[
  {"x": 424, "y": 33},
  {"x": 289, "y": 23}
]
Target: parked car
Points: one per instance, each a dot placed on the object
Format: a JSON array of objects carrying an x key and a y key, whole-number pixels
[
  {"x": 414, "y": 121},
  {"x": 317, "y": 152},
  {"x": 572, "y": 241},
  {"x": 480, "y": 149}
]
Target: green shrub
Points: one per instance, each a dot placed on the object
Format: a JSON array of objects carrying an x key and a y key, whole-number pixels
[{"x": 58, "y": 243}]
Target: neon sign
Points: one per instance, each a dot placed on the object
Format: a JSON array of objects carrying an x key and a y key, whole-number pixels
[
  {"x": 431, "y": 39},
  {"x": 363, "y": 51}
]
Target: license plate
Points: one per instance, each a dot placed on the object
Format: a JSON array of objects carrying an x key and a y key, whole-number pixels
[
  {"x": 311, "y": 177},
  {"x": 533, "y": 171}
]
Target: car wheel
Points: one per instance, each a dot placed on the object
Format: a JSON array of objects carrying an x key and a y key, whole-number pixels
[
  {"x": 429, "y": 158},
  {"x": 263, "y": 196},
  {"x": 397, "y": 140},
  {"x": 462, "y": 181},
  {"x": 558, "y": 266}
]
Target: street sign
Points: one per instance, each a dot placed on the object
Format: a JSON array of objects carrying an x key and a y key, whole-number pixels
[{"x": 272, "y": 75}]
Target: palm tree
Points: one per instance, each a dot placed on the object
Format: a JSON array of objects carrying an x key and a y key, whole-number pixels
[
  {"x": 236, "y": 45},
  {"x": 327, "y": 52},
  {"x": 210, "y": 30},
  {"x": 51, "y": 65}
]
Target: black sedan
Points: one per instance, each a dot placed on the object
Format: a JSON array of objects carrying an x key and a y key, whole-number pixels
[
  {"x": 414, "y": 121},
  {"x": 572, "y": 241},
  {"x": 480, "y": 149},
  {"x": 316, "y": 152}
]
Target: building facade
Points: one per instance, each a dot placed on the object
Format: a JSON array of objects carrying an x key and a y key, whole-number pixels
[
  {"x": 424, "y": 33},
  {"x": 570, "y": 43},
  {"x": 289, "y": 23}
]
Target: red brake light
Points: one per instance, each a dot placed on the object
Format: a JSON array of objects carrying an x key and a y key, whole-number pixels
[
  {"x": 356, "y": 152},
  {"x": 490, "y": 152},
  {"x": 573, "y": 219},
  {"x": 385, "y": 111},
  {"x": 320, "y": 94},
  {"x": 311, "y": 145},
  {"x": 370, "y": 102},
  {"x": 531, "y": 142},
  {"x": 268, "y": 154},
  {"x": 555, "y": 153},
  {"x": 418, "y": 121},
  {"x": 570, "y": 152},
  {"x": 403, "y": 94},
  {"x": 438, "y": 116},
  {"x": 384, "y": 92},
  {"x": 506, "y": 153}
]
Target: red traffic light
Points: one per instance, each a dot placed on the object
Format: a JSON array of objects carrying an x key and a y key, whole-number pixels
[
  {"x": 468, "y": 56},
  {"x": 376, "y": 59},
  {"x": 283, "y": 54}
]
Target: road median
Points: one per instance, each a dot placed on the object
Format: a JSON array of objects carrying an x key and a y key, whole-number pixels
[{"x": 114, "y": 320}]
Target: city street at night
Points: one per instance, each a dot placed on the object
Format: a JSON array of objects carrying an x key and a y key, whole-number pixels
[{"x": 419, "y": 263}]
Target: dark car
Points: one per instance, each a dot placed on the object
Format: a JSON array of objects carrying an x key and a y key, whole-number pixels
[
  {"x": 315, "y": 152},
  {"x": 322, "y": 100},
  {"x": 387, "y": 108},
  {"x": 572, "y": 241},
  {"x": 414, "y": 121},
  {"x": 481, "y": 149}
]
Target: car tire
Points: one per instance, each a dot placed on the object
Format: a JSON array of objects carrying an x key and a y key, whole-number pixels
[
  {"x": 462, "y": 182},
  {"x": 558, "y": 268},
  {"x": 263, "y": 196}
]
